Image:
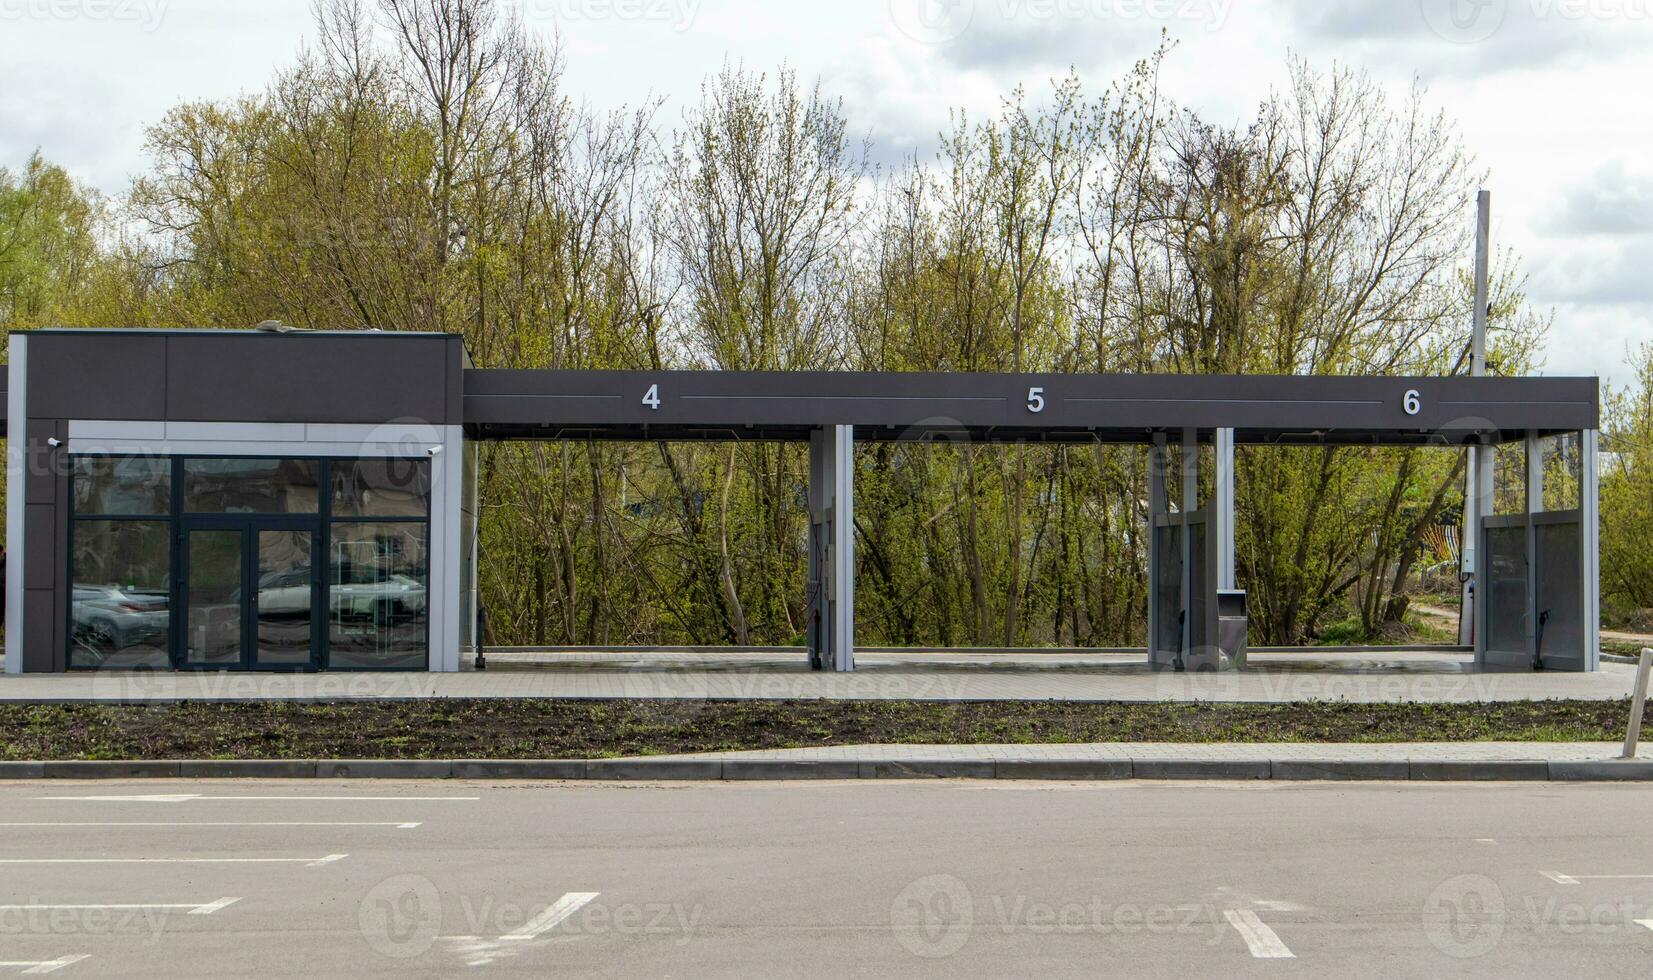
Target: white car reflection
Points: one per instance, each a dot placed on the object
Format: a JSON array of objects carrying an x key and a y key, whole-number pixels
[
  {"x": 385, "y": 599},
  {"x": 108, "y": 617}
]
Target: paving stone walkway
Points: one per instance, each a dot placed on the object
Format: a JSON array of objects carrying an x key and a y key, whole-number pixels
[{"x": 1429, "y": 677}]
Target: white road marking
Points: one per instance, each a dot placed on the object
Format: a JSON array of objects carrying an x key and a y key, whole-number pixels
[
  {"x": 192, "y": 797},
  {"x": 150, "y": 798},
  {"x": 1485, "y": 840},
  {"x": 1259, "y": 938},
  {"x": 1234, "y": 898},
  {"x": 1645, "y": 922},
  {"x": 481, "y": 952},
  {"x": 559, "y": 910},
  {"x": 45, "y": 966},
  {"x": 307, "y": 862},
  {"x": 194, "y": 908},
  {"x": 1562, "y": 879},
  {"x": 399, "y": 825}
]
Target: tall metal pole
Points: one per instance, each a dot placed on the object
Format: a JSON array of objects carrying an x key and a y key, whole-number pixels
[
  {"x": 1477, "y": 489},
  {"x": 1483, "y": 234}
]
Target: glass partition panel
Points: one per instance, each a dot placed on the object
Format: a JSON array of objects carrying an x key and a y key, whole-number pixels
[
  {"x": 1560, "y": 587},
  {"x": 1562, "y": 462},
  {"x": 251, "y": 486},
  {"x": 1506, "y": 582},
  {"x": 1201, "y": 594},
  {"x": 381, "y": 488},
  {"x": 138, "y": 485},
  {"x": 120, "y": 599},
  {"x": 1168, "y": 551},
  {"x": 378, "y": 608}
]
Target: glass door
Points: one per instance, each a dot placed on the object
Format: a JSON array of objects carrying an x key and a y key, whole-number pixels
[
  {"x": 284, "y": 602},
  {"x": 250, "y": 593},
  {"x": 214, "y": 622}
]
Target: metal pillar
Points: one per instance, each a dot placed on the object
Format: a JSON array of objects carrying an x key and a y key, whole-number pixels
[
  {"x": 1590, "y": 533},
  {"x": 1535, "y": 473},
  {"x": 1158, "y": 464},
  {"x": 1190, "y": 503},
  {"x": 830, "y": 636},
  {"x": 1533, "y": 500},
  {"x": 1479, "y": 504},
  {"x": 1478, "y": 479},
  {"x": 1222, "y": 506}
]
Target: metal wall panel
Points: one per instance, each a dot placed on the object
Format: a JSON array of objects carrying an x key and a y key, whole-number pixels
[
  {"x": 1558, "y": 581},
  {"x": 215, "y": 377},
  {"x": 245, "y": 376},
  {"x": 1504, "y": 576},
  {"x": 1167, "y": 549},
  {"x": 97, "y": 374}
]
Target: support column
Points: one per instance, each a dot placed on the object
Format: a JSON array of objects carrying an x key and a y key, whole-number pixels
[
  {"x": 1533, "y": 501},
  {"x": 1590, "y": 531},
  {"x": 1478, "y": 506},
  {"x": 1159, "y": 463},
  {"x": 1222, "y": 507},
  {"x": 1469, "y": 540},
  {"x": 830, "y": 635},
  {"x": 1190, "y": 503},
  {"x": 1535, "y": 473},
  {"x": 1478, "y": 479}
]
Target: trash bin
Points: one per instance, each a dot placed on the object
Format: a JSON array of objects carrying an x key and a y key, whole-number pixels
[{"x": 1232, "y": 625}]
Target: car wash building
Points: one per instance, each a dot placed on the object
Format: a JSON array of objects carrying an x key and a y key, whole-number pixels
[{"x": 301, "y": 500}]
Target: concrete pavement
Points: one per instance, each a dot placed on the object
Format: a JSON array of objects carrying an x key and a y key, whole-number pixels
[
  {"x": 1391, "y": 676},
  {"x": 1457, "y": 761},
  {"x": 212, "y": 878}
]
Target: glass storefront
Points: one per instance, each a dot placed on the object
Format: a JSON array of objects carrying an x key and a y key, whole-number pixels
[
  {"x": 120, "y": 605},
  {"x": 377, "y": 608},
  {"x": 245, "y": 563}
]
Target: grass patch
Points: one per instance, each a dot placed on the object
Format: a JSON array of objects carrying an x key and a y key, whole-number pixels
[{"x": 546, "y": 729}]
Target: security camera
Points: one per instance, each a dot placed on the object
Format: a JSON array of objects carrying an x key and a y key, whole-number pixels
[
  {"x": 54, "y": 442},
  {"x": 434, "y": 451}
]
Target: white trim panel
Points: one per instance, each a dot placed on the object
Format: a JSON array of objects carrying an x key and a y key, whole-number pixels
[
  {"x": 447, "y": 549},
  {"x": 17, "y": 427}
]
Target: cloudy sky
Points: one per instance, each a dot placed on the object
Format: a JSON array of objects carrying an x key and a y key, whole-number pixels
[{"x": 1551, "y": 95}]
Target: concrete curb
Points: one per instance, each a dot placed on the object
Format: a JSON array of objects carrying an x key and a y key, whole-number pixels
[
  {"x": 1339, "y": 769},
  {"x": 1610, "y": 770},
  {"x": 645, "y": 769},
  {"x": 1479, "y": 771},
  {"x": 1201, "y": 769}
]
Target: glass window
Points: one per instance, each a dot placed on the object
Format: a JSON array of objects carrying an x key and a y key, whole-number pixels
[
  {"x": 120, "y": 597},
  {"x": 381, "y": 488},
  {"x": 251, "y": 486},
  {"x": 123, "y": 485},
  {"x": 378, "y": 609}
]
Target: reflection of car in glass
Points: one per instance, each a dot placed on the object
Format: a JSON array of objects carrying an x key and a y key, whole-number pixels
[
  {"x": 379, "y": 598},
  {"x": 285, "y": 593},
  {"x": 112, "y": 618},
  {"x": 359, "y": 593}
]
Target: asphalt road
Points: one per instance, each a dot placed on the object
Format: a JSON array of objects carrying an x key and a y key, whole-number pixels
[{"x": 943, "y": 879}]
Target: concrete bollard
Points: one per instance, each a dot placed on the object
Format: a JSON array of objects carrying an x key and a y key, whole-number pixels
[{"x": 1638, "y": 701}]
